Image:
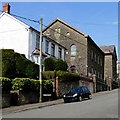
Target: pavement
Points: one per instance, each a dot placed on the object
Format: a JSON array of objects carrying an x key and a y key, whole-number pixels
[{"x": 15, "y": 109}]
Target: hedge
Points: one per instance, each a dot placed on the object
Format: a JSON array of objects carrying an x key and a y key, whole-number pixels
[
  {"x": 52, "y": 64},
  {"x": 27, "y": 85},
  {"x": 5, "y": 84},
  {"x": 49, "y": 64},
  {"x": 17, "y": 65},
  {"x": 62, "y": 75},
  {"x": 61, "y": 65},
  {"x": 8, "y": 63},
  {"x": 25, "y": 68}
]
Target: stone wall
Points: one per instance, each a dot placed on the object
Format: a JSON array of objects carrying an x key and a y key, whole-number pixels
[
  {"x": 5, "y": 99},
  {"x": 20, "y": 97}
]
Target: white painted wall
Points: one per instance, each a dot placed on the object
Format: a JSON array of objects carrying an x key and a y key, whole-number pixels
[
  {"x": 16, "y": 35},
  {"x": 13, "y": 35}
]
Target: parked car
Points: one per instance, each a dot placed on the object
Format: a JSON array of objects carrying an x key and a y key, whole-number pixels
[{"x": 77, "y": 94}]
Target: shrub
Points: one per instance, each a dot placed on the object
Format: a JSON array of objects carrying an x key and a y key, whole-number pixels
[
  {"x": 47, "y": 75},
  {"x": 8, "y": 63},
  {"x": 47, "y": 86},
  {"x": 25, "y": 68},
  {"x": 49, "y": 64},
  {"x": 55, "y": 64},
  {"x": 5, "y": 84},
  {"x": 67, "y": 76},
  {"x": 26, "y": 84},
  {"x": 61, "y": 65}
]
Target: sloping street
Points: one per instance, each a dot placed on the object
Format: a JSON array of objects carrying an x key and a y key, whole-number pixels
[{"x": 103, "y": 105}]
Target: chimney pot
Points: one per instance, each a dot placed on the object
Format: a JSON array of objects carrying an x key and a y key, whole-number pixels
[{"x": 6, "y": 8}]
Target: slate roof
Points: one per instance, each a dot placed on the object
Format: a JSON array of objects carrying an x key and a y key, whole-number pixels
[{"x": 111, "y": 48}]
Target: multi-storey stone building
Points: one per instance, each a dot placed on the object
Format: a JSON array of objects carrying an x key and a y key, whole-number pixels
[
  {"x": 110, "y": 66},
  {"x": 83, "y": 55}
]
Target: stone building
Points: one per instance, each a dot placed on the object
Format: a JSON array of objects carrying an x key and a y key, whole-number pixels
[
  {"x": 118, "y": 72},
  {"x": 83, "y": 55},
  {"x": 110, "y": 66}
]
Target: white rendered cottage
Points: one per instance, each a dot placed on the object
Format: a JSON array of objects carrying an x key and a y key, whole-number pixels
[{"x": 15, "y": 34}]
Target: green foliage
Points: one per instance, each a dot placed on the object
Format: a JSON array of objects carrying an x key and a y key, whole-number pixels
[
  {"x": 8, "y": 63},
  {"x": 61, "y": 65},
  {"x": 49, "y": 64},
  {"x": 47, "y": 86},
  {"x": 67, "y": 76},
  {"x": 62, "y": 75},
  {"x": 25, "y": 68},
  {"x": 26, "y": 84},
  {"x": 47, "y": 75},
  {"x": 5, "y": 84},
  {"x": 55, "y": 64}
]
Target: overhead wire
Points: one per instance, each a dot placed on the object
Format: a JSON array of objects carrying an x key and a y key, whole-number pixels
[{"x": 37, "y": 21}]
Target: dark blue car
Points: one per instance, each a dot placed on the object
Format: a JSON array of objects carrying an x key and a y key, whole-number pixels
[{"x": 77, "y": 94}]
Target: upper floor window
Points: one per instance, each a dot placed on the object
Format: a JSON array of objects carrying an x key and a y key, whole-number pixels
[
  {"x": 98, "y": 59},
  {"x": 37, "y": 41},
  {"x": 46, "y": 46},
  {"x": 59, "y": 52},
  {"x": 73, "y": 50},
  {"x": 52, "y": 49},
  {"x": 91, "y": 54}
]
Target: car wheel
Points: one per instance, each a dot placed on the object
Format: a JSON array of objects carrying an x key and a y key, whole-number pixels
[
  {"x": 80, "y": 98},
  {"x": 89, "y": 96}
]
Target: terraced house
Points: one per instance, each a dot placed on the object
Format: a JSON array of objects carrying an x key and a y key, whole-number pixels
[
  {"x": 83, "y": 55},
  {"x": 24, "y": 39}
]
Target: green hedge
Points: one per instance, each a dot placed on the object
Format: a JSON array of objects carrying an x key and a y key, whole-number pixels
[
  {"x": 26, "y": 84},
  {"x": 62, "y": 75},
  {"x": 47, "y": 75},
  {"x": 8, "y": 63},
  {"x": 25, "y": 68},
  {"x": 17, "y": 65},
  {"x": 55, "y": 64},
  {"x": 49, "y": 64},
  {"x": 61, "y": 65},
  {"x": 5, "y": 84},
  {"x": 47, "y": 86},
  {"x": 67, "y": 76}
]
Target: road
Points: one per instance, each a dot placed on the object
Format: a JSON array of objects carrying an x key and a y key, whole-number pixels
[{"x": 100, "y": 106}]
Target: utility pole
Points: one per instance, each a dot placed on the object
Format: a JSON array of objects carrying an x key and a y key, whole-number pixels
[{"x": 40, "y": 66}]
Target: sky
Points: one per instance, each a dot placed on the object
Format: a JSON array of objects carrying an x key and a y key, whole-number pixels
[{"x": 99, "y": 20}]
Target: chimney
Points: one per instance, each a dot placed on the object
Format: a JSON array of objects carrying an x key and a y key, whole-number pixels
[{"x": 6, "y": 8}]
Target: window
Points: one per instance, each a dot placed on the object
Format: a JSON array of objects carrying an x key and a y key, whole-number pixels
[
  {"x": 101, "y": 62},
  {"x": 73, "y": 50},
  {"x": 52, "y": 49},
  {"x": 59, "y": 52},
  {"x": 72, "y": 68},
  {"x": 95, "y": 57},
  {"x": 98, "y": 59},
  {"x": 47, "y": 46},
  {"x": 91, "y": 54},
  {"x": 37, "y": 41}
]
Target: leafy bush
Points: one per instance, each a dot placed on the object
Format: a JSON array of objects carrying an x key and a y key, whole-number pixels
[
  {"x": 25, "y": 68},
  {"x": 26, "y": 84},
  {"x": 47, "y": 86},
  {"x": 55, "y": 64},
  {"x": 5, "y": 84},
  {"x": 67, "y": 76},
  {"x": 8, "y": 63},
  {"x": 47, "y": 75},
  {"x": 62, "y": 75},
  {"x": 61, "y": 65},
  {"x": 49, "y": 64}
]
